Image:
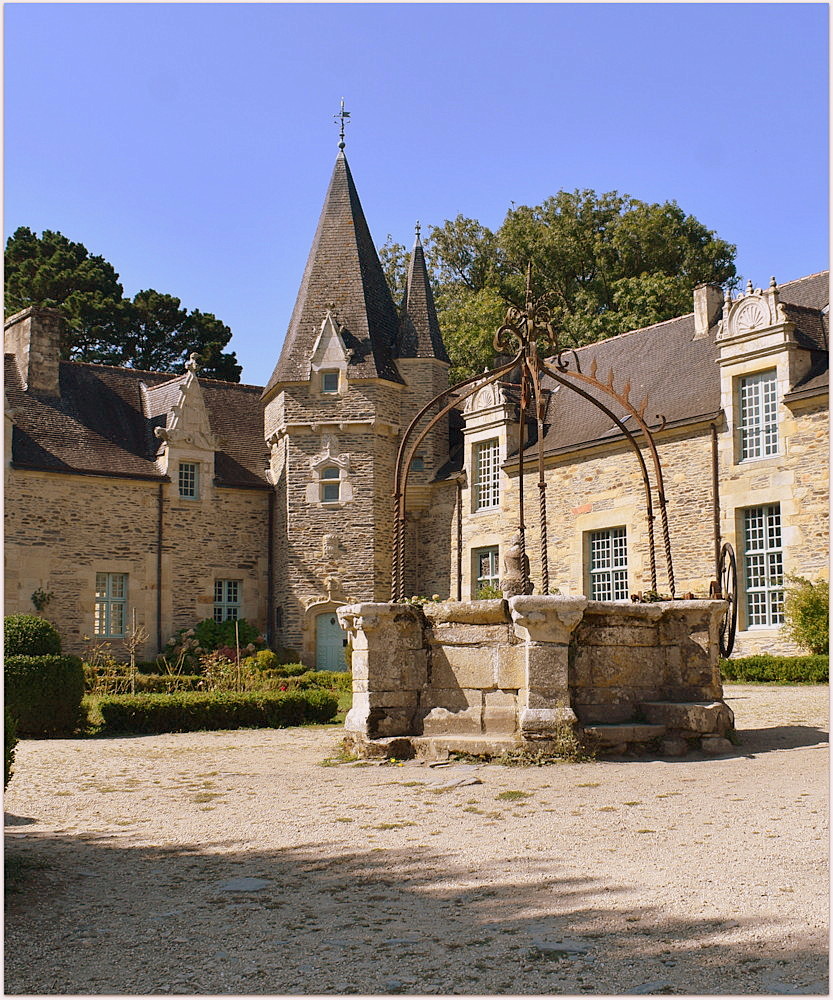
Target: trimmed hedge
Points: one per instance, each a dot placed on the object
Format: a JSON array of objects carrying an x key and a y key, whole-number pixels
[
  {"x": 328, "y": 680},
  {"x": 9, "y": 742},
  {"x": 118, "y": 682},
  {"x": 189, "y": 711},
  {"x": 767, "y": 669},
  {"x": 29, "y": 635},
  {"x": 44, "y": 693}
]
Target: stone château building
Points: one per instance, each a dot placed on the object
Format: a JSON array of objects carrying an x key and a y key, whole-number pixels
[{"x": 175, "y": 498}]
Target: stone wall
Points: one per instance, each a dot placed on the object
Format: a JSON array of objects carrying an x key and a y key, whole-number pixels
[
  {"x": 61, "y": 530},
  {"x": 522, "y": 668}
]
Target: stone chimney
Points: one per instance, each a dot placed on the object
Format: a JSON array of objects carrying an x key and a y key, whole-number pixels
[
  {"x": 708, "y": 306},
  {"x": 33, "y": 335}
]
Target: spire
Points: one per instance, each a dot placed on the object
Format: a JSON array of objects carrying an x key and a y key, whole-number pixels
[
  {"x": 419, "y": 330},
  {"x": 343, "y": 274}
]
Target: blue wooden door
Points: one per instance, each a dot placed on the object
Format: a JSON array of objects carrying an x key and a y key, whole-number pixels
[{"x": 329, "y": 643}]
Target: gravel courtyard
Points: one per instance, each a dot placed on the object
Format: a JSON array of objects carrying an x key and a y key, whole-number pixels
[{"x": 234, "y": 862}]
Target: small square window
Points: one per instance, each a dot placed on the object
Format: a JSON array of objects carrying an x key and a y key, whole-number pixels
[
  {"x": 329, "y": 381},
  {"x": 418, "y": 464},
  {"x": 330, "y": 492},
  {"x": 189, "y": 480}
]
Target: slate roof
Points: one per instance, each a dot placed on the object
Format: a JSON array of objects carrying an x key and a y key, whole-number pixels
[
  {"x": 343, "y": 271},
  {"x": 679, "y": 375},
  {"x": 103, "y": 421},
  {"x": 419, "y": 329}
]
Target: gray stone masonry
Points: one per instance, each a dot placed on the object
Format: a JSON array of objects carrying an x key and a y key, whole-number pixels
[{"x": 498, "y": 671}]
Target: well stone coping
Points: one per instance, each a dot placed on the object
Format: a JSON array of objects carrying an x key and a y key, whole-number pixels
[{"x": 505, "y": 611}]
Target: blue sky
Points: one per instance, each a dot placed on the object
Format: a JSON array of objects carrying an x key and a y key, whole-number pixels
[{"x": 191, "y": 144}]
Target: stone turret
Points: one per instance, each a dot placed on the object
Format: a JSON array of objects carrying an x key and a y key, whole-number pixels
[
  {"x": 424, "y": 363},
  {"x": 332, "y": 420}
]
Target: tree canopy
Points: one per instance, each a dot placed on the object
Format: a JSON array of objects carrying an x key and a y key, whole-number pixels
[
  {"x": 606, "y": 263},
  {"x": 151, "y": 331}
]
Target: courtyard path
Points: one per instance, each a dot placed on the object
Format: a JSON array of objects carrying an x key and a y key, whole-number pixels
[{"x": 234, "y": 862}]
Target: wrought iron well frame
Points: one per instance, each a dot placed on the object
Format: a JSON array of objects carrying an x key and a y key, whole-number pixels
[{"x": 527, "y": 328}]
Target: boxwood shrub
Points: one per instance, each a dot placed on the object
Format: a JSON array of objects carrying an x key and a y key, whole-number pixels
[
  {"x": 10, "y": 742},
  {"x": 188, "y": 711},
  {"x": 29, "y": 635},
  {"x": 768, "y": 669},
  {"x": 44, "y": 693},
  {"x": 117, "y": 681}
]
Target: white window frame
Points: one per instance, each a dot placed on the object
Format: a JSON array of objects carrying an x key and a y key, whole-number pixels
[
  {"x": 189, "y": 480},
  {"x": 486, "y": 466},
  {"x": 330, "y": 481},
  {"x": 477, "y": 579},
  {"x": 227, "y": 600},
  {"x": 758, "y": 415},
  {"x": 763, "y": 567},
  {"x": 110, "y": 613},
  {"x": 607, "y": 564}
]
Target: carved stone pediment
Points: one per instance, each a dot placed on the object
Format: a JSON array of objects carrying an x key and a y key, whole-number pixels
[
  {"x": 329, "y": 455},
  {"x": 187, "y": 424},
  {"x": 329, "y": 350},
  {"x": 757, "y": 309},
  {"x": 484, "y": 398}
]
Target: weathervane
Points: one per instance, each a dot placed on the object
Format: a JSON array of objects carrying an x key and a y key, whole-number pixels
[{"x": 341, "y": 117}]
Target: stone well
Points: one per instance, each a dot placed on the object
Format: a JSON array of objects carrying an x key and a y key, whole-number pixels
[{"x": 481, "y": 676}]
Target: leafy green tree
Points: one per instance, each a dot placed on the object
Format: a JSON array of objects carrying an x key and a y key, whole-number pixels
[
  {"x": 605, "y": 263},
  {"x": 152, "y": 331},
  {"x": 807, "y": 614}
]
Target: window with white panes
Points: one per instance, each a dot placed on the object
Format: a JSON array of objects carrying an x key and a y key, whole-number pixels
[
  {"x": 486, "y": 474},
  {"x": 226, "y": 600},
  {"x": 758, "y": 411},
  {"x": 485, "y": 569},
  {"x": 608, "y": 565},
  {"x": 110, "y": 605},
  {"x": 330, "y": 484},
  {"x": 763, "y": 566},
  {"x": 189, "y": 480}
]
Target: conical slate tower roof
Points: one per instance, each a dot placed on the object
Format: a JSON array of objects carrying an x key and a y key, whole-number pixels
[
  {"x": 343, "y": 274},
  {"x": 419, "y": 330}
]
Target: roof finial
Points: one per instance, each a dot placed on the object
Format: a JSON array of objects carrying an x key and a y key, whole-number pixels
[
  {"x": 418, "y": 231},
  {"x": 528, "y": 285},
  {"x": 342, "y": 116}
]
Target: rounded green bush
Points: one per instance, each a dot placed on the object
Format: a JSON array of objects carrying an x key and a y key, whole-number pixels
[
  {"x": 29, "y": 635},
  {"x": 44, "y": 693},
  {"x": 10, "y": 742}
]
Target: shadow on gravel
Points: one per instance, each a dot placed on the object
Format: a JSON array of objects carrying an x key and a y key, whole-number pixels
[
  {"x": 97, "y": 916},
  {"x": 780, "y": 738},
  {"x": 9, "y": 819}
]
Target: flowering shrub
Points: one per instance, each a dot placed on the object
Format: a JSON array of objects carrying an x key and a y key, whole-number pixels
[{"x": 187, "y": 647}]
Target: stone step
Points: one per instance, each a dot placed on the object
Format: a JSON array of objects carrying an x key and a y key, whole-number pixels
[
  {"x": 614, "y": 734},
  {"x": 439, "y": 747},
  {"x": 695, "y": 717}
]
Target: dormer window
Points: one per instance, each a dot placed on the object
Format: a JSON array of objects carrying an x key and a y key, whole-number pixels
[
  {"x": 189, "y": 480},
  {"x": 329, "y": 382},
  {"x": 758, "y": 410},
  {"x": 330, "y": 484}
]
